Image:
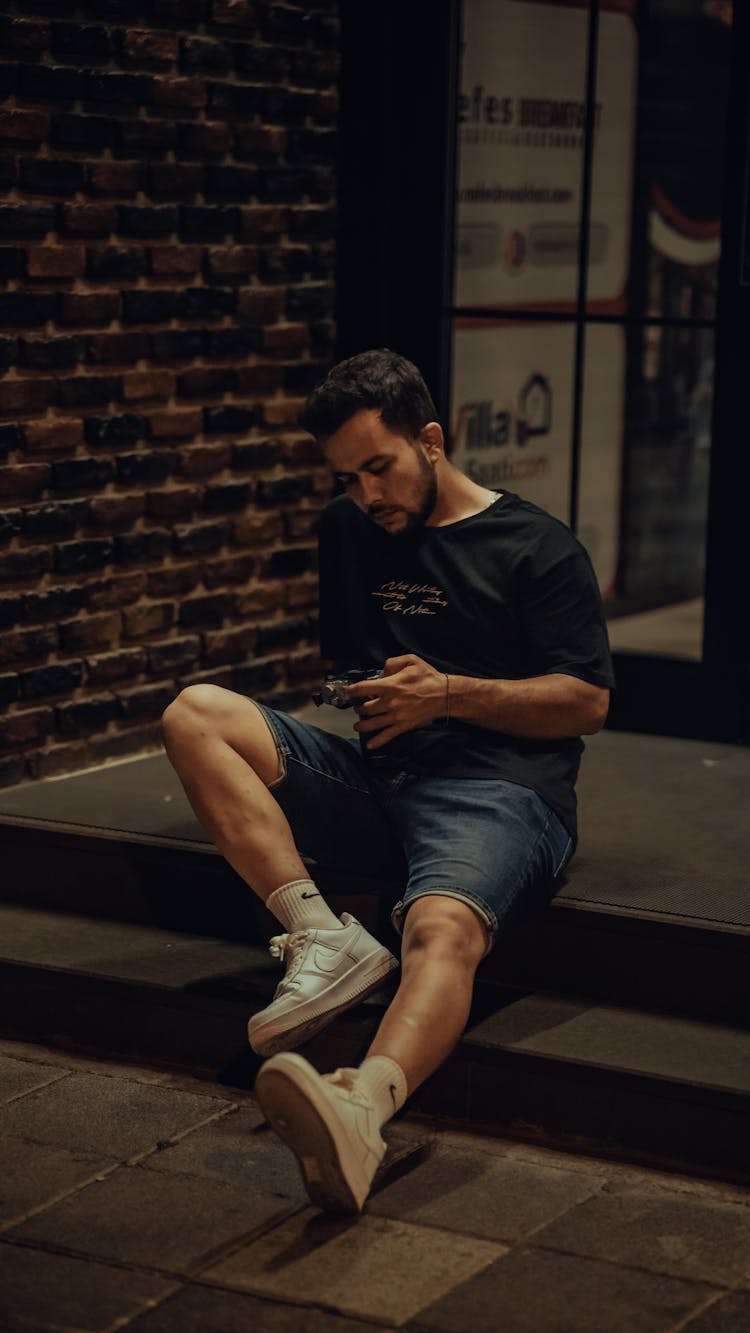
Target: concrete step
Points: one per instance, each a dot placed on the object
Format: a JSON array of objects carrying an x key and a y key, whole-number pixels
[{"x": 551, "y": 1068}]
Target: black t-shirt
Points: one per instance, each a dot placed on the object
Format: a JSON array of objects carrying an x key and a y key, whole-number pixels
[{"x": 506, "y": 594}]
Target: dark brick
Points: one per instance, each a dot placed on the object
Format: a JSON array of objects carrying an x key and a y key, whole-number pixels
[
  {"x": 204, "y": 460},
  {"x": 53, "y": 603},
  {"x": 25, "y": 564},
  {"x": 182, "y": 261},
  {"x": 116, "y": 590},
  {"x": 261, "y": 62},
  {"x": 144, "y": 221},
  {"x": 228, "y": 569},
  {"x": 173, "y": 654},
  {"x": 88, "y": 219},
  {"x": 10, "y": 439},
  {"x": 287, "y": 27},
  {"x": 10, "y": 690},
  {"x": 234, "y": 13},
  {"x": 9, "y": 352},
  {"x": 182, "y": 11},
  {"x": 27, "y": 643},
  {"x": 147, "y": 136},
  {"x": 260, "y": 142},
  {"x": 104, "y": 667},
  {"x": 117, "y": 177},
  {"x": 11, "y": 610},
  {"x": 203, "y": 141},
  {"x": 82, "y": 473},
  {"x": 141, "y": 384},
  {"x": 237, "y": 99},
  {"x": 116, "y": 511},
  {"x": 60, "y": 435},
  {"x": 50, "y": 353},
  {"x": 199, "y": 538},
  {"x": 233, "y": 261},
  {"x": 88, "y": 390},
  {"x": 309, "y": 302},
  {"x": 175, "y": 424},
  {"x": 135, "y": 740},
  {"x": 175, "y": 180},
  {"x": 312, "y": 223},
  {"x": 91, "y": 554},
  {"x": 26, "y": 395},
  {"x": 69, "y": 131},
  {"x": 32, "y": 724},
  {"x": 150, "y": 307},
  {"x": 203, "y": 223},
  {"x": 116, "y": 261},
  {"x": 207, "y": 302},
  {"x": 282, "y": 263},
  {"x": 145, "y": 700},
  {"x": 256, "y": 454},
  {"x": 228, "y": 645},
  {"x": 283, "y": 490},
  {"x": 174, "y": 580},
  {"x": 89, "y": 631},
  {"x": 12, "y": 770},
  {"x": 8, "y": 78},
  {"x": 140, "y": 46},
  {"x": 210, "y": 611},
  {"x": 257, "y": 678},
  {"x": 55, "y": 520},
  {"x": 23, "y": 127},
  {"x": 177, "y": 344},
  {"x": 314, "y": 69},
  {"x": 226, "y": 497},
  {"x": 203, "y": 382},
  {"x": 11, "y": 522},
  {"x": 62, "y": 758},
  {"x": 60, "y": 678},
  {"x": 197, "y": 53},
  {"x": 117, "y": 347},
  {"x": 176, "y": 502},
  {"x": 190, "y": 94},
  {"x": 130, "y": 89},
  {"x": 231, "y": 182},
  {"x": 23, "y": 480},
  {"x": 55, "y": 261},
  {"x": 292, "y": 560},
  {"x": 285, "y": 183},
  {"x": 51, "y": 83},
  {"x": 234, "y": 342},
  {"x": 86, "y": 714},
  {"x": 283, "y": 634},
  {"x": 145, "y": 618},
  {"x": 10, "y": 262},
  {"x": 229, "y": 418},
  {"x": 72, "y": 41},
  {"x": 115, "y": 430},
  {"x": 303, "y": 376},
  {"x": 147, "y": 545},
  {"x": 47, "y": 175},
  {"x": 26, "y": 309},
  {"x": 152, "y": 466},
  {"x": 88, "y": 307},
  {"x": 22, "y": 38}
]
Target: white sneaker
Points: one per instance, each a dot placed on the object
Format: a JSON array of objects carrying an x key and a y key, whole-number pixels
[
  {"x": 327, "y": 972},
  {"x": 330, "y": 1126}
]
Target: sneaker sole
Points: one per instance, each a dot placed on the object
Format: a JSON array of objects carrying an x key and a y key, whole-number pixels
[
  {"x": 290, "y": 1101},
  {"x": 300, "y": 1025}
]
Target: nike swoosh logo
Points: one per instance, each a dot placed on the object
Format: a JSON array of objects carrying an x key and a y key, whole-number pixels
[
  {"x": 392, "y": 1090},
  {"x": 330, "y": 962},
  {"x": 309, "y": 895}
]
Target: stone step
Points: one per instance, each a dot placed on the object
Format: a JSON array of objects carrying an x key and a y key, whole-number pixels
[{"x": 551, "y": 1068}]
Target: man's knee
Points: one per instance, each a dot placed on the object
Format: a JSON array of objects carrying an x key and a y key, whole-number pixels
[
  {"x": 197, "y": 706},
  {"x": 445, "y": 927}
]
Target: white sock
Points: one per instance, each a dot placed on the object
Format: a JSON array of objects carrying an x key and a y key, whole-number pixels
[
  {"x": 384, "y": 1082},
  {"x": 299, "y": 906}
]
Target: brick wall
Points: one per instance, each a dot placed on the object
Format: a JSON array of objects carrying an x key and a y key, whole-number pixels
[{"x": 166, "y": 256}]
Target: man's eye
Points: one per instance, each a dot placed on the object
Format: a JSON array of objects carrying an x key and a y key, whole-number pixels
[{"x": 376, "y": 471}]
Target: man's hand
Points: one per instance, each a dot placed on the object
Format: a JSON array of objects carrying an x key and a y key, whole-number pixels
[{"x": 409, "y": 694}]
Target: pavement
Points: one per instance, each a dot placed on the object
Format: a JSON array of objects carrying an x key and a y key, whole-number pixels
[{"x": 137, "y": 1198}]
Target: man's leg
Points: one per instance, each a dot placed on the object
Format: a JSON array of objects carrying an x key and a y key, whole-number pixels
[
  {"x": 333, "y": 1123},
  {"x": 227, "y": 759}
]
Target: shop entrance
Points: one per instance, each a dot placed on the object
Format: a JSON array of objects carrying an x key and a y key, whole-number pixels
[{"x": 544, "y": 204}]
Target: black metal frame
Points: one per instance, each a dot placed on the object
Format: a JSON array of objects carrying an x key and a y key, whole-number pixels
[{"x": 397, "y": 186}]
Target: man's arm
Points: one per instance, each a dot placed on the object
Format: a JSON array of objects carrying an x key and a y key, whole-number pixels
[{"x": 411, "y": 694}]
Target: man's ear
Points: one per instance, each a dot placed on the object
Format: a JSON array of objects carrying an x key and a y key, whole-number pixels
[{"x": 431, "y": 438}]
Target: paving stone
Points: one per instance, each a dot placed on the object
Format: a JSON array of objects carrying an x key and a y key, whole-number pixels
[
  {"x": 660, "y": 1230},
  {"x": 34, "y": 1173},
  {"x": 40, "y": 1289},
  {"x": 369, "y": 1267},
  {"x": 209, "y": 1310},
  {"x": 533, "y": 1291},
  {"x": 239, "y": 1149},
  {"x": 18, "y": 1076},
  {"x": 113, "y": 1116},
  {"x": 730, "y": 1314},
  {"x": 482, "y": 1195},
  {"x": 163, "y": 1221}
]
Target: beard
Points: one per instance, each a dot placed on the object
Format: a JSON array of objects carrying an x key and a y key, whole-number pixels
[{"x": 414, "y": 518}]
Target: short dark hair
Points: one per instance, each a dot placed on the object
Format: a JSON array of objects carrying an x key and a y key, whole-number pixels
[{"x": 379, "y": 379}]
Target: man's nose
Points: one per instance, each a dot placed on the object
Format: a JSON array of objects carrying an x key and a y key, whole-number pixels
[{"x": 370, "y": 489}]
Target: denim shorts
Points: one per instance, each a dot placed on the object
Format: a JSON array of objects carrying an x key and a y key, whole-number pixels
[{"x": 490, "y": 843}]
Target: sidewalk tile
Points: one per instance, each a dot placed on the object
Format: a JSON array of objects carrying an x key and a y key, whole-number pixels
[
  {"x": 17, "y": 1076},
  {"x": 482, "y": 1195},
  {"x": 730, "y": 1314},
  {"x": 208, "y": 1310},
  {"x": 369, "y": 1268},
  {"x": 238, "y": 1150},
  {"x": 39, "y": 1288},
  {"x": 536, "y": 1291},
  {"x": 32, "y": 1173},
  {"x": 661, "y": 1230},
  {"x": 96, "y": 1114},
  {"x": 162, "y": 1221}
]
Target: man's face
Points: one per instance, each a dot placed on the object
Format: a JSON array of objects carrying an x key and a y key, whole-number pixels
[{"x": 390, "y": 479}]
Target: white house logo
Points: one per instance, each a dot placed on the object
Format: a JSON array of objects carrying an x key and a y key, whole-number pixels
[{"x": 480, "y": 426}]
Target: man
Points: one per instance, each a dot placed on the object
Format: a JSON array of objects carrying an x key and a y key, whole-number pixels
[{"x": 483, "y": 615}]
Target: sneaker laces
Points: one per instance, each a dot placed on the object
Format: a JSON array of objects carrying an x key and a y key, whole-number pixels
[{"x": 290, "y": 949}]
